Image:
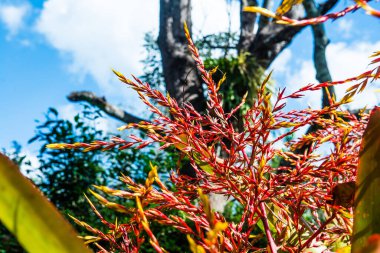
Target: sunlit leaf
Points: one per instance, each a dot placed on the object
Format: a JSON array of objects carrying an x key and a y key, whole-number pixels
[
  {"x": 35, "y": 222},
  {"x": 286, "y": 6},
  {"x": 367, "y": 201}
]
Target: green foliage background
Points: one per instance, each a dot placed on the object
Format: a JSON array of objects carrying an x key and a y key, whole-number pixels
[{"x": 65, "y": 175}]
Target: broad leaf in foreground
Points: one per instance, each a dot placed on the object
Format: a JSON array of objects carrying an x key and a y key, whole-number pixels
[{"x": 36, "y": 223}]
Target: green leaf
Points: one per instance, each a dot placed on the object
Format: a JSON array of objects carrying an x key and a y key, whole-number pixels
[
  {"x": 35, "y": 222},
  {"x": 367, "y": 201}
]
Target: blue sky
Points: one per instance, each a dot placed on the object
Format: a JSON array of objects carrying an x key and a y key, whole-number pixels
[{"x": 50, "y": 48}]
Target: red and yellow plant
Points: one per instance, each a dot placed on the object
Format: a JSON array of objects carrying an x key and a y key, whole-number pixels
[
  {"x": 303, "y": 204},
  {"x": 287, "y": 5}
]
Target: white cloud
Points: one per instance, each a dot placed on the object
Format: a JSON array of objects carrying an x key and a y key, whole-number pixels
[
  {"x": 97, "y": 35},
  {"x": 13, "y": 16},
  {"x": 349, "y": 60},
  {"x": 344, "y": 61},
  {"x": 301, "y": 76},
  {"x": 212, "y": 16},
  {"x": 345, "y": 26},
  {"x": 69, "y": 111},
  {"x": 280, "y": 65},
  {"x": 34, "y": 162}
]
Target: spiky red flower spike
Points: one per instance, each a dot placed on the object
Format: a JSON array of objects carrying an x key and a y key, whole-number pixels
[
  {"x": 280, "y": 19},
  {"x": 288, "y": 207}
]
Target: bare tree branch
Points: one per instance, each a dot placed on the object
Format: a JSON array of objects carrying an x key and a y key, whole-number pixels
[
  {"x": 320, "y": 43},
  {"x": 102, "y": 104},
  {"x": 272, "y": 38},
  {"x": 180, "y": 73},
  {"x": 326, "y": 6}
]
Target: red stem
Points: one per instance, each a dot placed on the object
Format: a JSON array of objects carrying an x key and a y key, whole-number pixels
[
  {"x": 272, "y": 244},
  {"x": 318, "y": 231}
]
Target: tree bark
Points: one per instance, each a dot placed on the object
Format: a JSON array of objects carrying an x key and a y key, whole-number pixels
[
  {"x": 273, "y": 38},
  {"x": 263, "y": 20},
  {"x": 247, "y": 25},
  {"x": 182, "y": 79},
  {"x": 101, "y": 103},
  {"x": 181, "y": 76}
]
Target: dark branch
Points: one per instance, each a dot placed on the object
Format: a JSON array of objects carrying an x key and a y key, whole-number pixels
[
  {"x": 273, "y": 38},
  {"x": 102, "y": 104},
  {"x": 320, "y": 43},
  {"x": 326, "y": 6},
  {"x": 211, "y": 42},
  {"x": 181, "y": 77}
]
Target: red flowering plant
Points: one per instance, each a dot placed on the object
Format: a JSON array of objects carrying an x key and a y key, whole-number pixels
[
  {"x": 288, "y": 4},
  {"x": 302, "y": 204}
]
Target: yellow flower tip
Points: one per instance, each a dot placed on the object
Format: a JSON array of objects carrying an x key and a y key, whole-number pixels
[
  {"x": 212, "y": 71},
  {"x": 376, "y": 53},
  {"x": 194, "y": 247},
  {"x": 247, "y": 8},
  {"x": 128, "y": 126},
  {"x": 56, "y": 146},
  {"x": 185, "y": 27},
  {"x": 220, "y": 226},
  {"x": 97, "y": 187},
  {"x": 213, "y": 234},
  {"x": 75, "y": 219},
  {"x": 200, "y": 192},
  {"x": 260, "y": 10},
  {"x": 153, "y": 170},
  {"x": 138, "y": 203},
  {"x": 116, "y": 207},
  {"x": 283, "y": 22},
  {"x": 98, "y": 197},
  {"x": 91, "y": 191},
  {"x": 120, "y": 75},
  {"x": 87, "y": 199},
  {"x": 191, "y": 241},
  {"x": 128, "y": 81}
]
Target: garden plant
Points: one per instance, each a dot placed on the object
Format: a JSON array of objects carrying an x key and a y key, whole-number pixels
[
  {"x": 288, "y": 192},
  {"x": 303, "y": 206}
]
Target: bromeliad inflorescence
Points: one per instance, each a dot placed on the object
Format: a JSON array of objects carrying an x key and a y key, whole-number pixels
[{"x": 287, "y": 206}]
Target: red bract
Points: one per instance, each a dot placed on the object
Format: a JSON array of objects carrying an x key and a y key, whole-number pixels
[
  {"x": 280, "y": 19},
  {"x": 293, "y": 204}
]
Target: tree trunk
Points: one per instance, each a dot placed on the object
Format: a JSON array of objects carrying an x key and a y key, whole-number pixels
[
  {"x": 272, "y": 38},
  {"x": 181, "y": 76},
  {"x": 182, "y": 79}
]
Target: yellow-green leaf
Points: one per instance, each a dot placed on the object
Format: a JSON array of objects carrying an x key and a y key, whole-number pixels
[
  {"x": 286, "y": 6},
  {"x": 262, "y": 11},
  {"x": 367, "y": 201},
  {"x": 35, "y": 222}
]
